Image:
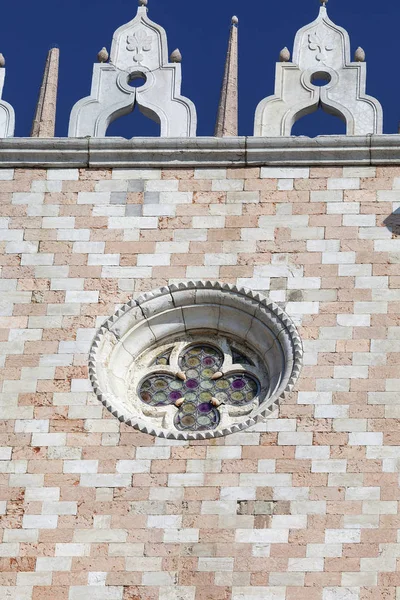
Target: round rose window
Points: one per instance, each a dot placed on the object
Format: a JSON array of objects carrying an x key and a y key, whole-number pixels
[{"x": 195, "y": 361}]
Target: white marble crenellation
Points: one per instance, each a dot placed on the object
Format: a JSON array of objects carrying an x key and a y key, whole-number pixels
[
  {"x": 139, "y": 55},
  {"x": 321, "y": 74}
]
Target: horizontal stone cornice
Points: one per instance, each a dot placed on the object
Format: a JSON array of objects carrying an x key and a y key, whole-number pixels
[{"x": 207, "y": 152}]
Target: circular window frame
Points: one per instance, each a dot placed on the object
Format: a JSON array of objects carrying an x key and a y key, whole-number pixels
[{"x": 156, "y": 318}]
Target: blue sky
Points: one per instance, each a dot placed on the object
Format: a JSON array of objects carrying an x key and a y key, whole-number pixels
[{"x": 200, "y": 29}]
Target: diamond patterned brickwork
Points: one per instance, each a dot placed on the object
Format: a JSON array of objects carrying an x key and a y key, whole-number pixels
[{"x": 302, "y": 507}]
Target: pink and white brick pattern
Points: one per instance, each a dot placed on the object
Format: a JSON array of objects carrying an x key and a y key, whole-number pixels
[{"x": 302, "y": 507}]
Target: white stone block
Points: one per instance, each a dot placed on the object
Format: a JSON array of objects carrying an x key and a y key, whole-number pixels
[
  {"x": 49, "y": 494},
  {"x": 58, "y": 222},
  {"x": 346, "y": 320},
  {"x": 329, "y": 466},
  {"x": 39, "y": 521},
  {"x": 176, "y": 198},
  {"x": 227, "y": 185},
  {"x": 32, "y": 426},
  {"x": 49, "y": 439},
  {"x": 215, "y": 564},
  {"x": 177, "y": 593},
  {"x": 324, "y": 550},
  {"x": 208, "y": 222},
  {"x": 302, "y": 438},
  {"x": 63, "y": 174},
  {"x": 366, "y": 439},
  {"x": 136, "y": 174},
  {"x": 95, "y": 593},
  {"x": 350, "y": 372},
  {"x": 343, "y": 208},
  {"x": 359, "y": 220},
  {"x": 210, "y": 173},
  {"x": 306, "y": 564},
  {"x": 82, "y": 297},
  {"x": 345, "y": 183},
  {"x": 49, "y": 563},
  {"x": 181, "y": 536},
  {"x": 327, "y": 196},
  {"x": 149, "y": 260},
  {"x": 27, "y": 198},
  {"x": 59, "y": 508},
  {"x": 133, "y": 222},
  {"x": 22, "y": 247},
  {"x": 285, "y": 173},
  {"x": 6, "y": 174}
]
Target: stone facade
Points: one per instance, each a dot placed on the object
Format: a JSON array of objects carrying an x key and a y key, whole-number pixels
[{"x": 303, "y": 506}]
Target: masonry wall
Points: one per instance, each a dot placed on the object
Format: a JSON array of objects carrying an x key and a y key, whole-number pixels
[{"x": 302, "y": 507}]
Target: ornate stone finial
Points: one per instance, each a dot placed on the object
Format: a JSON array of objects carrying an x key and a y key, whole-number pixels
[
  {"x": 359, "y": 55},
  {"x": 176, "y": 56},
  {"x": 143, "y": 2},
  {"x": 227, "y": 118},
  {"x": 103, "y": 55},
  {"x": 2, "y": 61},
  {"x": 324, "y": 2},
  {"x": 284, "y": 55}
]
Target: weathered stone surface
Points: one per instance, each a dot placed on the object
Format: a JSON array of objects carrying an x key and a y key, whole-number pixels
[
  {"x": 44, "y": 123},
  {"x": 227, "y": 117}
]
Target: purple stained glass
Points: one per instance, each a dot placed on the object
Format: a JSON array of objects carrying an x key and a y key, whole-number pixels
[
  {"x": 208, "y": 361},
  {"x": 238, "y": 384},
  {"x": 192, "y": 384},
  {"x": 174, "y": 396},
  {"x": 205, "y": 407}
]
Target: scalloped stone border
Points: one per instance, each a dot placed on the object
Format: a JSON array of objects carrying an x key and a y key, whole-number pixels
[{"x": 154, "y": 303}]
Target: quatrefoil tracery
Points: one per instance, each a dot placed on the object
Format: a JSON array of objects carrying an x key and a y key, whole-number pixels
[{"x": 201, "y": 385}]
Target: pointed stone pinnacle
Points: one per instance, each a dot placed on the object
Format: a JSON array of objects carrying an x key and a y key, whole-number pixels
[
  {"x": 103, "y": 55},
  {"x": 359, "y": 55},
  {"x": 143, "y": 2},
  {"x": 227, "y": 118},
  {"x": 284, "y": 55},
  {"x": 2, "y": 61},
  {"x": 324, "y": 2},
  {"x": 44, "y": 122},
  {"x": 176, "y": 56},
  {"x": 181, "y": 375}
]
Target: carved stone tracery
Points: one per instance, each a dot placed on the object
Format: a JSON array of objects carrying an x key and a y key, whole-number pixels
[
  {"x": 321, "y": 51},
  {"x": 139, "y": 51}
]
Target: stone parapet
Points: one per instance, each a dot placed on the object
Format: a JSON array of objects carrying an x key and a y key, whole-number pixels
[{"x": 207, "y": 152}]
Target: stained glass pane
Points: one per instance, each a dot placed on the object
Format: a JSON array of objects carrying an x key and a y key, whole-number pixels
[
  {"x": 237, "y": 389},
  {"x": 199, "y": 363},
  {"x": 161, "y": 390},
  {"x": 195, "y": 392}
]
